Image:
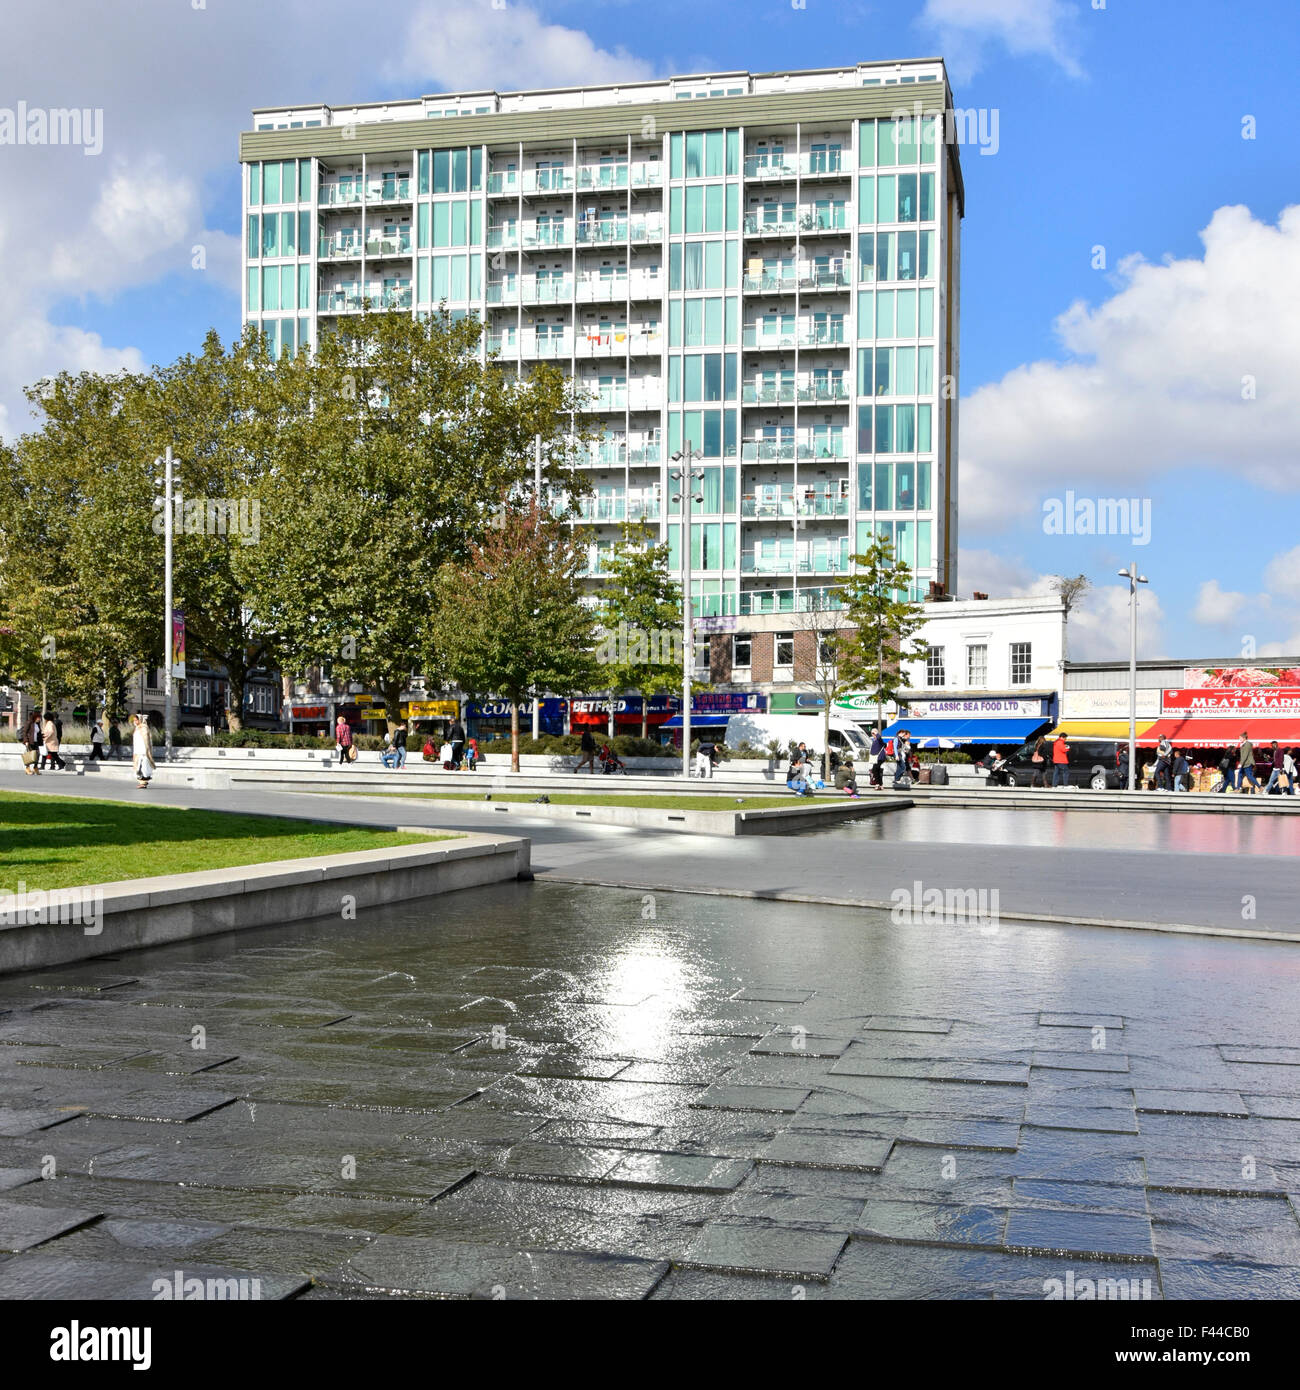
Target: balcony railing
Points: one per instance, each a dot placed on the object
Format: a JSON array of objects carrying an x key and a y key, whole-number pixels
[
  {"x": 353, "y": 301},
  {"x": 786, "y": 279},
  {"x": 769, "y": 166},
  {"x": 530, "y": 292},
  {"x": 806, "y": 334},
  {"x": 786, "y": 392},
  {"x": 339, "y": 195},
  {"x": 618, "y": 343},
  {"x": 806, "y": 220},
  {"x": 754, "y": 602},
  {"x": 831, "y": 448},
  {"x": 621, "y": 397},
  {"x": 530, "y": 236},
  {"x": 389, "y": 246},
  {"x": 641, "y": 453},
  {"x": 790, "y": 561},
  {"x": 339, "y": 250},
  {"x": 765, "y": 507},
  {"x": 821, "y": 163},
  {"x": 511, "y": 182},
  {"x": 607, "y": 453},
  {"x": 389, "y": 191}
]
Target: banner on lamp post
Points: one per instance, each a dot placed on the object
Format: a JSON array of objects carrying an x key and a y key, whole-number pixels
[{"x": 178, "y": 645}]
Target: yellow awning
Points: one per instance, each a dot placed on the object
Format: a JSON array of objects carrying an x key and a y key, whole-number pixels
[{"x": 1100, "y": 728}]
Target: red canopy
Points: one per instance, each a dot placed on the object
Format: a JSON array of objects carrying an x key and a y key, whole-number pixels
[{"x": 1221, "y": 733}]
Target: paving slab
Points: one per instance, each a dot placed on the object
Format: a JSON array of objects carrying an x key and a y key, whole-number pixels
[
  {"x": 1083, "y": 1234},
  {"x": 746, "y": 1246}
]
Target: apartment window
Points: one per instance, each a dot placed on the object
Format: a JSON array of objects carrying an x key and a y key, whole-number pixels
[
  {"x": 977, "y": 666},
  {"x": 701, "y": 658},
  {"x": 784, "y": 649},
  {"x": 827, "y": 649},
  {"x": 934, "y": 675},
  {"x": 196, "y": 694},
  {"x": 151, "y": 681},
  {"x": 742, "y": 647},
  {"x": 1022, "y": 663}
]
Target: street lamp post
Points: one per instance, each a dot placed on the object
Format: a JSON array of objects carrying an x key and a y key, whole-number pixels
[
  {"x": 168, "y": 464},
  {"x": 684, "y": 477},
  {"x": 1134, "y": 579},
  {"x": 537, "y": 484}
]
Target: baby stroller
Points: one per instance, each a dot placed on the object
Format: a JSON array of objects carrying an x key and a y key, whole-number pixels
[{"x": 610, "y": 761}]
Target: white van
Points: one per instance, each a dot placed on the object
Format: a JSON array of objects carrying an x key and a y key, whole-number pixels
[{"x": 758, "y": 730}]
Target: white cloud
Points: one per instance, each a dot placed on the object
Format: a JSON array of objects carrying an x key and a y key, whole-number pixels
[
  {"x": 1098, "y": 624},
  {"x": 1025, "y": 28},
  {"x": 1217, "y": 607},
  {"x": 476, "y": 45},
  {"x": 1163, "y": 376},
  {"x": 1282, "y": 574}
]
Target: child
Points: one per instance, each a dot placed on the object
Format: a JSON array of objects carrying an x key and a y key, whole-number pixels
[{"x": 471, "y": 754}]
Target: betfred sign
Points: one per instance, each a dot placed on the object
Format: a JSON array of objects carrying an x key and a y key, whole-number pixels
[{"x": 1224, "y": 702}]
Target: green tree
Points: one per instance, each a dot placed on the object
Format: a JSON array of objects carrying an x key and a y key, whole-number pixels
[
  {"x": 823, "y": 618},
  {"x": 509, "y": 620},
  {"x": 884, "y": 624},
  {"x": 390, "y": 450},
  {"x": 640, "y": 643}
]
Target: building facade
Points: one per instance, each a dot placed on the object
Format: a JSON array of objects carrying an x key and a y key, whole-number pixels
[{"x": 762, "y": 266}]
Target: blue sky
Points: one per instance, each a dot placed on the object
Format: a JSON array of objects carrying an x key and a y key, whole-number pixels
[{"x": 1119, "y": 127}]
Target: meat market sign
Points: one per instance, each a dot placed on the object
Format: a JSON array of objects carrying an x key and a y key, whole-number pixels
[{"x": 1225, "y": 701}]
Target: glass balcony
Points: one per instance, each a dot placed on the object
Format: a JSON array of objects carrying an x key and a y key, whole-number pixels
[
  {"x": 339, "y": 195},
  {"x": 549, "y": 291},
  {"x": 497, "y": 292},
  {"x": 782, "y": 281},
  {"x": 353, "y": 301},
  {"x": 643, "y": 452},
  {"x": 328, "y": 250},
  {"x": 810, "y": 391},
  {"x": 755, "y": 602},
  {"x": 598, "y": 176},
  {"x": 823, "y": 277},
  {"x": 604, "y": 398},
  {"x": 399, "y": 245},
  {"x": 557, "y": 345},
  {"x": 829, "y": 390},
  {"x": 547, "y": 181},
  {"x": 828, "y": 334},
  {"x": 601, "y": 231},
  {"x": 541, "y": 235},
  {"x": 389, "y": 191},
  {"x": 504, "y": 236},
  {"x": 617, "y": 342},
  {"x": 643, "y": 509},
  {"x": 832, "y": 217},
  {"x": 646, "y": 229},
  {"x": 647, "y": 173},
  {"x": 603, "y": 509},
  {"x": 768, "y": 393},
  {"x": 770, "y": 166},
  {"x": 831, "y": 447},
  {"x": 785, "y": 505},
  {"x": 784, "y": 336},
  {"x": 789, "y": 560},
  {"x": 757, "y": 225},
  {"x": 503, "y": 344},
  {"x": 594, "y": 289},
  {"x": 821, "y": 163}
]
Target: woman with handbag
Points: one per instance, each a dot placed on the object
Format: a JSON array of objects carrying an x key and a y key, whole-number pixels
[
  {"x": 32, "y": 747},
  {"x": 1038, "y": 778},
  {"x": 141, "y": 751}
]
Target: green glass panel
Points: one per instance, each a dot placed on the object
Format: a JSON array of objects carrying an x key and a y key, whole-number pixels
[
  {"x": 271, "y": 183},
  {"x": 733, "y": 207},
  {"x": 923, "y": 481},
  {"x": 254, "y": 289},
  {"x": 304, "y": 180},
  {"x": 884, "y": 313},
  {"x": 288, "y": 229},
  {"x": 733, "y": 152},
  {"x": 924, "y": 557},
  {"x": 864, "y": 489},
  {"x": 695, "y": 208},
  {"x": 887, "y": 148},
  {"x": 866, "y": 314},
  {"x": 442, "y": 224},
  {"x": 459, "y": 279},
  {"x": 254, "y": 185},
  {"x": 476, "y": 223},
  {"x": 866, "y": 144},
  {"x": 476, "y": 169},
  {"x": 906, "y": 327},
  {"x": 459, "y": 224},
  {"x": 695, "y": 154},
  {"x": 460, "y": 171},
  {"x": 675, "y": 155},
  {"x": 923, "y": 440},
  {"x": 288, "y": 287},
  {"x": 887, "y": 198},
  {"x": 674, "y": 323},
  {"x": 422, "y": 226},
  {"x": 270, "y": 287},
  {"x": 714, "y": 146},
  {"x": 254, "y": 236},
  {"x": 675, "y": 199},
  {"x": 925, "y": 314},
  {"x": 424, "y": 162},
  {"x": 304, "y": 286}
]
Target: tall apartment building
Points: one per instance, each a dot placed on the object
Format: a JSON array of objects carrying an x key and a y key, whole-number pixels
[{"x": 764, "y": 265}]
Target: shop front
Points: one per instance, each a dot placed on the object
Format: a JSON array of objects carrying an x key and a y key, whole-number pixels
[
  {"x": 974, "y": 723},
  {"x": 711, "y": 709},
  {"x": 592, "y": 712},
  {"x": 489, "y": 719}
]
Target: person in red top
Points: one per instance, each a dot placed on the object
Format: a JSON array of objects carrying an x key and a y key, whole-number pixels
[{"x": 1060, "y": 762}]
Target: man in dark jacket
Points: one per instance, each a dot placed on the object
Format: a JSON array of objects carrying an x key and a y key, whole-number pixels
[
  {"x": 456, "y": 737},
  {"x": 588, "y": 746}
]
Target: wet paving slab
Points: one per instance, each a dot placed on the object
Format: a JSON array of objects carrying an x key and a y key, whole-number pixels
[{"x": 537, "y": 1091}]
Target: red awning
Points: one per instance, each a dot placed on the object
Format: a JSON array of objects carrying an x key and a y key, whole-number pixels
[{"x": 1222, "y": 733}]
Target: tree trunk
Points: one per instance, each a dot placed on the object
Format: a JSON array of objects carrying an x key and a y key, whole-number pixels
[
  {"x": 826, "y": 741},
  {"x": 236, "y": 683},
  {"x": 645, "y": 716},
  {"x": 514, "y": 735},
  {"x": 392, "y": 693},
  {"x": 611, "y": 714}
]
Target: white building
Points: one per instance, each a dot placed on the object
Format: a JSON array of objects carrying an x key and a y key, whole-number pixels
[{"x": 764, "y": 266}]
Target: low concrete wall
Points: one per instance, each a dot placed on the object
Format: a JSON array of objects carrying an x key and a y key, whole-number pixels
[
  {"x": 760, "y": 821},
  {"x": 181, "y": 907}
]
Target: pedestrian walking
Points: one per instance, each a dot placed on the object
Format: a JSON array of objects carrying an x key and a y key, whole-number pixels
[
  {"x": 903, "y": 758},
  {"x": 114, "y": 740},
  {"x": 1246, "y": 763},
  {"x": 399, "y": 745},
  {"x": 471, "y": 754},
  {"x": 588, "y": 746},
  {"x": 456, "y": 736},
  {"x": 879, "y": 752},
  {"x": 141, "y": 750},
  {"x": 343, "y": 739},
  {"x": 1164, "y": 759},
  {"x": 1121, "y": 765},
  {"x": 1038, "y": 760},
  {"x": 1289, "y": 770},
  {"x": 32, "y": 747},
  {"x": 1278, "y": 760},
  {"x": 1060, "y": 762},
  {"x": 96, "y": 742},
  {"x": 50, "y": 737},
  {"x": 1181, "y": 768},
  {"x": 1226, "y": 765}
]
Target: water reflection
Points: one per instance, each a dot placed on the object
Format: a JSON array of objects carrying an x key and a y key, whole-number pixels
[{"x": 1180, "y": 832}]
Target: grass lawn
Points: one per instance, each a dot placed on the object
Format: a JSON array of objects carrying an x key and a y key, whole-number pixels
[
  {"x": 64, "y": 841},
  {"x": 655, "y": 801}
]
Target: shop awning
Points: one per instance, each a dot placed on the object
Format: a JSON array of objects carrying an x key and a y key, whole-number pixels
[
  {"x": 701, "y": 721},
  {"x": 952, "y": 733},
  {"x": 1221, "y": 733},
  {"x": 1101, "y": 728}
]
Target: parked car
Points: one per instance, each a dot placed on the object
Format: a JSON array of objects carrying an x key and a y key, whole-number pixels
[{"x": 1092, "y": 763}]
